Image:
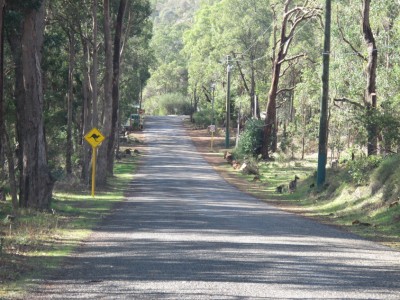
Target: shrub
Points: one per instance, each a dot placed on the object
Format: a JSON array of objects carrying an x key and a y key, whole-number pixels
[
  {"x": 203, "y": 118},
  {"x": 387, "y": 175},
  {"x": 387, "y": 168},
  {"x": 250, "y": 141},
  {"x": 360, "y": 169},
  {"x": 168, "y": 104}
]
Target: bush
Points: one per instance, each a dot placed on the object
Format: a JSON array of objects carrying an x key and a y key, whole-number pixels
[
  {"x": 387, "y": 168},
  {"x": 250, "y": 142},
  {"x": 387, "y": 175},
  {"x": 168, "y": 104},
  {"x": 203, "y": 118},
  {"x": 361, "y": 169}
]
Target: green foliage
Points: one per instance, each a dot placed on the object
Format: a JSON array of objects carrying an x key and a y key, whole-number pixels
[
  {"x": 287, "y": 142},
  {"x": 387, "y": 175},
  {"x": 250, "y": 141},
  {"x": 26, "y": 4},
  {"x": 389, "y": 124},
  {"x": 169, "y": 73},
  {"x": 360, "y": 170},
  {"x": 203, "y": 118},
  {"x": 224, "y": 27},
  {"x": 168, "y": 104}
]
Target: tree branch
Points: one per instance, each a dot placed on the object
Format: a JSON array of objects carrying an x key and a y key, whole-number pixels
[
  {"x": 307, "y": 14},
  {"x": 285, "y": 90},
  {"x": 345, "y": 100},
  {"x": 241, "y": 73},
  {"x": 291, "y": 62},
  {"x": 206, "y": 93},
  {"x": 349, "y": 43},
  {"x": 292, "y": 58}
]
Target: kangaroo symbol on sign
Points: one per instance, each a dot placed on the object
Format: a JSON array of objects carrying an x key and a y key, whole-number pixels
[{"x": 94, "y": 136}]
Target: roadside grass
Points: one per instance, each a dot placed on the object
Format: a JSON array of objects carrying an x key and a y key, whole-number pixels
[
  {"x": 373, "y": 206},
  {"x": 370, "y": 210},
  {"x": 35, "y": 243}
]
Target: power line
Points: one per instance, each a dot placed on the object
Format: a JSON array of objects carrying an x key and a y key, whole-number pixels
[{"x": 256, "y": 41}]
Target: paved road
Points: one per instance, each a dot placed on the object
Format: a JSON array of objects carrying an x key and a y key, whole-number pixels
[{"x": 184, "y": 233}]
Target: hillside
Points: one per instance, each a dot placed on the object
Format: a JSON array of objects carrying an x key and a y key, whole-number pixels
[{"x": 173, "y": 11}]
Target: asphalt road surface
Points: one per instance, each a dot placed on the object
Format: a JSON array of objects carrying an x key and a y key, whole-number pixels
[{"x": 184, "y": 233}]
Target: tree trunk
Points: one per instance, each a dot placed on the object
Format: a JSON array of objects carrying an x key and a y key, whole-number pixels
[
  {"x": 4, "y": 138},
  {"x": 95, "y": 67},
  {"x": 36, "y": 183},
  {"x": 290, "y": 21},
  {"x": 270, "y": 119},
  {"x": 11, "y": 169},
  {"x": 115, "y": 87},
  {"x": 86, "y": 112},
  {"x": 2, "y": 104},
  {"x": 70, "y": 99},
  {"x": 270, "y": 128},
  {"x": 370, "y": 97},
  {"x": 255, "y": 111},
  {"x": 324, "y": 118},
  {"x": 101, "y": 174}
]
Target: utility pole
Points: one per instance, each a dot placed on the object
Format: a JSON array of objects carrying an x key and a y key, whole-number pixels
[
  {"x": 228, "y": 102},
  {"x": 323, "y": 122},
  {"x": 193, "y": 105},
  {"x": 255, "y": 107},
  {"x": 140, "y": 90},
  {"x": 238, "y": 125},
  {"x": 212, "y": 103}
]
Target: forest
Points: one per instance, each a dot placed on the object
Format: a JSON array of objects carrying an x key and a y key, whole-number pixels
[
  {"x": 268, "y": 58},
  {"x": 67, "y": 66},
  {"x": 290, "y": 81}
]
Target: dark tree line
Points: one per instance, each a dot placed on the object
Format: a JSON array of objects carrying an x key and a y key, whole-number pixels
[{"x": 62, "y": 63}]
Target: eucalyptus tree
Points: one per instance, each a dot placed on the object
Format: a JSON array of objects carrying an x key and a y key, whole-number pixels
[
  {"x": 169, "y": 72},
  {"x": 64, "y": 21},
  {"x": 115, "y": 86},
  {"x": 67, "y": 72},
  {"x": 239, "y": 29},
  {"x": 6, "y": 150},
  {"x": 244, "y": 30},
  {"x": 102, "y": 163},
  {"x": 113, "y": 66},
  {"x": 283, "y": 34},
  {"x": 384, "y": 22},
  {"x": 137, "y": 57},
  {"x": 2, "y": 124},
  {"x": 35, "y": 180},
  {"x": 363, "y": 39},
  {"x": 199, "y": 48},
  {"x": 370, "y": 96}
]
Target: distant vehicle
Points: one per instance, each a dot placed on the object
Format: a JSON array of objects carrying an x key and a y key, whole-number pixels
[{"x": 136, "y": 121}]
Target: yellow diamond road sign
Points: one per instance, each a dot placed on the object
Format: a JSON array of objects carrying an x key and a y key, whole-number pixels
[{"x": 94, "y": 137}]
